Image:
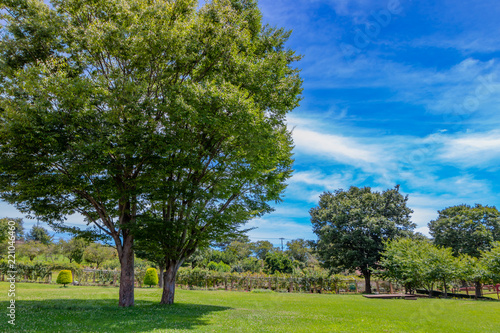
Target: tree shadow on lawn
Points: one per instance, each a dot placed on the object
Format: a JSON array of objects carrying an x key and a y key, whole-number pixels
[{"x": 83, "y": 315}]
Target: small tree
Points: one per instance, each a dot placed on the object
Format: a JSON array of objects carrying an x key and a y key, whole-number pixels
[
  {"x": 65, "y": 277},
  {"x": 151, "y": 278},
  {"x": 31, "y": 249},
  {"x": 73, "y": 249},
  {"x": 222, "y": 267},
  {"x": 467, "y": 230},
  {"x": 491, "y": 260},
  {"x": 401, "y": 262},
  {"x": 97, "y": 254},
  {"x": 439, "y": 265}
]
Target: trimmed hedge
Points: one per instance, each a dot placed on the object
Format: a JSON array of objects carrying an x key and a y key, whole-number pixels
[
  {"x": 65, "y": 277},
  {"x": 151, "y": 278}
]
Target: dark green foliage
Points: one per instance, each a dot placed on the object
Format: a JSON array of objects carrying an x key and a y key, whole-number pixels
[
  {"x": 151, "y": 278},
  {"x": 39, "y": 234},
  {"x": 278, "y": 262},
  {"x": 353, "y": 225},
  {"x": 65, "y": 277},
  {"x": 466, "y": 229},
  {"x": 299, "y": 250},
  {"x": 261, "y": 249}
]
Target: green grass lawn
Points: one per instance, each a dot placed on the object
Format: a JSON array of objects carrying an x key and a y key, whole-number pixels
[{"x": 50, "y": 308}]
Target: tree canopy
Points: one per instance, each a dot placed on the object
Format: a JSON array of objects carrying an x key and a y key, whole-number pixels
[
  {"x": 466, "y": 229},
  {"x": 353, "y": 225}
]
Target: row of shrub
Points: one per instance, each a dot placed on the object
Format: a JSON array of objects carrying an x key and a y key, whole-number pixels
[
  {"x": 315, "y": 281},
  {"x": 302, "y": 282}
]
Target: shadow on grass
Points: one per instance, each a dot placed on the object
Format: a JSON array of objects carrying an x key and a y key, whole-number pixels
[{"x": 83, "y": 315}]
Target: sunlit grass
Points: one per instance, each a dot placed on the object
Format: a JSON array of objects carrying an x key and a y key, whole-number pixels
[{"x": 50, "y": 308}]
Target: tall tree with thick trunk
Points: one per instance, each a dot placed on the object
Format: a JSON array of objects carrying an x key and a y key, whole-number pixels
[
  {"x": 353, "y": 225},
  {"x": 106, "y": 103},
  {"x": 234, "y": 148}
]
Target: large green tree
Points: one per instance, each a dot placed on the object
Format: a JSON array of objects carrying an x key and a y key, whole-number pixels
[
  {"x": 119, "y": 108},
  {"x": 467, "y": 230},
  {"x": 353, "y": 225},
  {"x": 232, "y": 142}
]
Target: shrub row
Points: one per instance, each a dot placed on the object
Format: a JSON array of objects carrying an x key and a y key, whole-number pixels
[{"x": 209, "y": 279}]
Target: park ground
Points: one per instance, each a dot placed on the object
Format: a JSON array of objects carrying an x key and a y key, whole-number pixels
[{"x": 52, "y": 308}]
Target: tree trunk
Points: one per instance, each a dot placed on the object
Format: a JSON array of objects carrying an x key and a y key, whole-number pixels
[
  {"x": 445, "y": 289},
  {"x": 368, "y": 286},
  {"x": 127, "y": 274},
  {"x": 169, "y": 282},
  {"x": 160, "y": 282},
  {"x": 479, "y": 289}
]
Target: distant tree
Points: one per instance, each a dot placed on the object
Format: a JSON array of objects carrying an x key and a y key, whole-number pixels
[
  {"x": 261, "y": 248},
  {"x": 212, "y": 266},
  {"x": 240, "y": 249},
  {"x": 299, "y": 250},
  {"x": 141, "y": 248},
  {"x": 467, "y": 230},
  {"x": 4, "y": 228},
  {"x": 39, "y": 234},
  {"x": 252, "y": 264},
  {"x": 278, "y": 262},
  {"x": 96, "y": 253},
  {"x": 31, "y": 249},
  {"x": 352, "y": 226},
  {"x": 73, "y": 249}
]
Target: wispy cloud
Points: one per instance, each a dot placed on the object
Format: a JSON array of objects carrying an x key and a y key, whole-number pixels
[{"x": 478, "y": 150}]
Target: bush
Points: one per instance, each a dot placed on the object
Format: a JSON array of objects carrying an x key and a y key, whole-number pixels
[
  {"x": 212, "y": 266},
  {"x": 151, "y": 278},
  {"x": 222, "y": 267},
  {"x": 64, "y": 277}
]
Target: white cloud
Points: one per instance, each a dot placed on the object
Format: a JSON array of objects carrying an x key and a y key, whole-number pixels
[
  {"x": 340, "y": 148},
  {"x": 472, "y": 149},
  {"x": 269, "y": 228}
]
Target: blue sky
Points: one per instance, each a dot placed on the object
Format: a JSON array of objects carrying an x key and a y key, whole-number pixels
[{"x": 395, "y": 92}]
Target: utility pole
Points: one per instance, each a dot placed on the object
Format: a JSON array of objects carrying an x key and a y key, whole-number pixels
[{"x": 282, "y": 239}]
